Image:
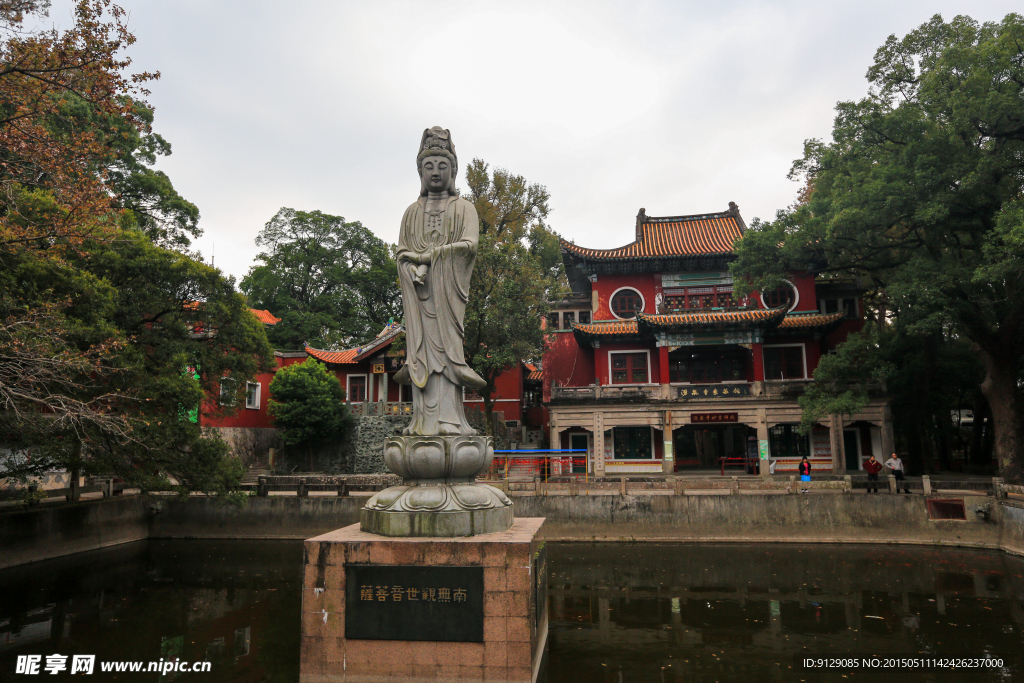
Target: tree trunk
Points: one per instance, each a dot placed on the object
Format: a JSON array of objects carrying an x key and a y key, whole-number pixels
[
  {"x": 489, "y": 413},
  {"x": 1000, "y": 388}
]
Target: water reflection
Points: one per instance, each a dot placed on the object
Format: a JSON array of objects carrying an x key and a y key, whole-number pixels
[
  {"x": 694, "y": 613},
  {"x": 235, "y": 604},
  {"x": 727, "y": 613}
]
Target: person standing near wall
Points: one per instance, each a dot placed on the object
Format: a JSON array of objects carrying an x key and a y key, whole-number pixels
[
  {"x": 872, "y": 467},
  {"x": 895, "y": 465},
  {"x": 805, "y": 472}
]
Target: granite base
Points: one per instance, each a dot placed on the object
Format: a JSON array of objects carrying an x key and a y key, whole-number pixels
[{"x": 514, "y": 605}]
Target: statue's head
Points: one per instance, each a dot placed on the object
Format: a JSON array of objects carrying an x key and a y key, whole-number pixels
[{"x": 436, "y": 162}]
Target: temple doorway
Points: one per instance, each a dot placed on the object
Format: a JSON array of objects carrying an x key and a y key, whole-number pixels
[{"x": 699, "y": 447}]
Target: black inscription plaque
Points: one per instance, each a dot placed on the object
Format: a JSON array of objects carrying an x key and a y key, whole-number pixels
[{"x": 397, "y": 602}]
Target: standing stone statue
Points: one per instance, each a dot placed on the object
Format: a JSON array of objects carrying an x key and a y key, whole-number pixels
[
  {"x": 436, "y": 252},
  {"x": 439, "y": 455}
]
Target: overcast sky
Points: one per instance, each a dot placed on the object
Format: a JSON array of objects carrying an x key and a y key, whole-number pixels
[{"x": 678, "y": 107}]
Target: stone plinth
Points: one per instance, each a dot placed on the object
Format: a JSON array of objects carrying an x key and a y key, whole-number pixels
[
  {"x": 439, "y": 496},
  {"x": 513, "y": 568}
]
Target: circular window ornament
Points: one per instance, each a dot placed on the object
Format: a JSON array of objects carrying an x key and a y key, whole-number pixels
[
  {"x": 783, "y": 295},
  {"x": 626, "y": 302}
]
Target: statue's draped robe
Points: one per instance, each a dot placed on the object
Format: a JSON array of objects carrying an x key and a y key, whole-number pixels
[{"x": 435, "y": 363}]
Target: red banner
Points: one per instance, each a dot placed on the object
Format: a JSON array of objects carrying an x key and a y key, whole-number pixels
[{"x": 705, "y": 418}]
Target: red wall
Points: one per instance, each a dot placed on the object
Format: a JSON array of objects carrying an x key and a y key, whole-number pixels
[
  {"x": 566, "y": 362},
  {"x": 645, "y": 283},
  {"x": 508, "y": 385}
]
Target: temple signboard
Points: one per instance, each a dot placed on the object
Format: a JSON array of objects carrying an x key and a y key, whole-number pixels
[
  {"x": 396, "y": 602},
  {"x": 714, "y": 391},
  {"x": 712, "y": 418}
]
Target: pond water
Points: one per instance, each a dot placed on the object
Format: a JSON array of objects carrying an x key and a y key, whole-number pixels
[{"x": 647, "y": 612}]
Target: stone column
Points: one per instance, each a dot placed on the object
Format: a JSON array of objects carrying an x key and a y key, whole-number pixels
[
  {"x": 762, "y": 435},
  {"x": 598, "y": 444},
  {"x": 668, "y": 463}
]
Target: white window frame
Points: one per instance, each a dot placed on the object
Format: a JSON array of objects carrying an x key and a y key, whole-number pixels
[
  {"x": 630, "y": 384},
  {"x": 348, "y": 387},
  {"x": 643, "y": 302},
  {"x": 249, "y": 404},
  {"x": 796, "y": 297},
  {"x": 471, "y": 400},
  {"x": 803, "y": 353}
]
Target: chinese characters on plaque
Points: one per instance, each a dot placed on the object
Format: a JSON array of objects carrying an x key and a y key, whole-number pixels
[
  {"x": 707, "y": 418},
  {"x": 714, "y": 391},
  {"x": 400, "y": 593},
  {"x": 403, "y": 602}
]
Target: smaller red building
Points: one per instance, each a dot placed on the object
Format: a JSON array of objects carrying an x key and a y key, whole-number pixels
[{"x": 367, "y": 374}]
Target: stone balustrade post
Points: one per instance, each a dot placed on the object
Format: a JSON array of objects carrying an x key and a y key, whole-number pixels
[
  {"x": 926, "y": 483},
  {"x": 734, "y": 486},
  {"x": 261, "y": 487},
  {"x": 997, "y": 488},
  {"x": 622, "y": 485},
  {"x": 343, "y": 488},
  {"x": 303, "y": 491},
  {"x": 792, "y": 484},
  {"x": 847, "y": 483},
  {"x": 892, "y": 484}
]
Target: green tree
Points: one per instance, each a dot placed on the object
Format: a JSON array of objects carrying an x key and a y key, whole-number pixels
[
  {"x": 332, "y": 283},
  {"x": 307, "y": 403},
  {"x": 921, "y": 191},
  {"x": 517, "y": 271},
  {"x": 148, "y": 333}
]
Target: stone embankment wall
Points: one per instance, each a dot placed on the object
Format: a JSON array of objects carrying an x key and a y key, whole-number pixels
[
  {"x": 53, "y": 531},
  {"x": 33, "y": 535}
]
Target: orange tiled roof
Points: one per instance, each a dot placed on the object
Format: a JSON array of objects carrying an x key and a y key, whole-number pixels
[
  {"x": 345, "y": 356},
  {"x": 696, "y": 235},
  {"x": 803, "y": 320},
  {"x": 614, "y": 327},
  {"x": 386, "y": 336},
  {"x": 535, "y": 376},
  {"x": 265, "y": 317},
  {"x": 753, "y": 315}
]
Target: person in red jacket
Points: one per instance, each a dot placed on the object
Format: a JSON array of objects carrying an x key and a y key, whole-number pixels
[{"x": 873, "y": 467}]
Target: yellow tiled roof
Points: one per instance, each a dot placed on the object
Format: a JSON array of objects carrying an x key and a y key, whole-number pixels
[
  {"x": 679, "y": 236},
  {"x": 712, "y": 317},
  {"x": 809, "y": 320},
  {"x": 614, "y": 327}
]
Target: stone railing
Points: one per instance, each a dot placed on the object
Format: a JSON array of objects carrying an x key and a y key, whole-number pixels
[
  {"x": 607, "y": 393},
  {"x": 379, "y": 408},
  {"x": 783, "y": 388}
]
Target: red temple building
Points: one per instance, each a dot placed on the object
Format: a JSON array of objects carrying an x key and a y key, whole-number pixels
[{"x": 657, "y": 362}]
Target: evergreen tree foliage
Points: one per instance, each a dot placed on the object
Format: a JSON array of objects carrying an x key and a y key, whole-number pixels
[
  {"x": 921, "y": 192},
  {"x": 332, "y": 283},
  {"x": 518, "y": 269},
  {"x": 308, "y": 405}
]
